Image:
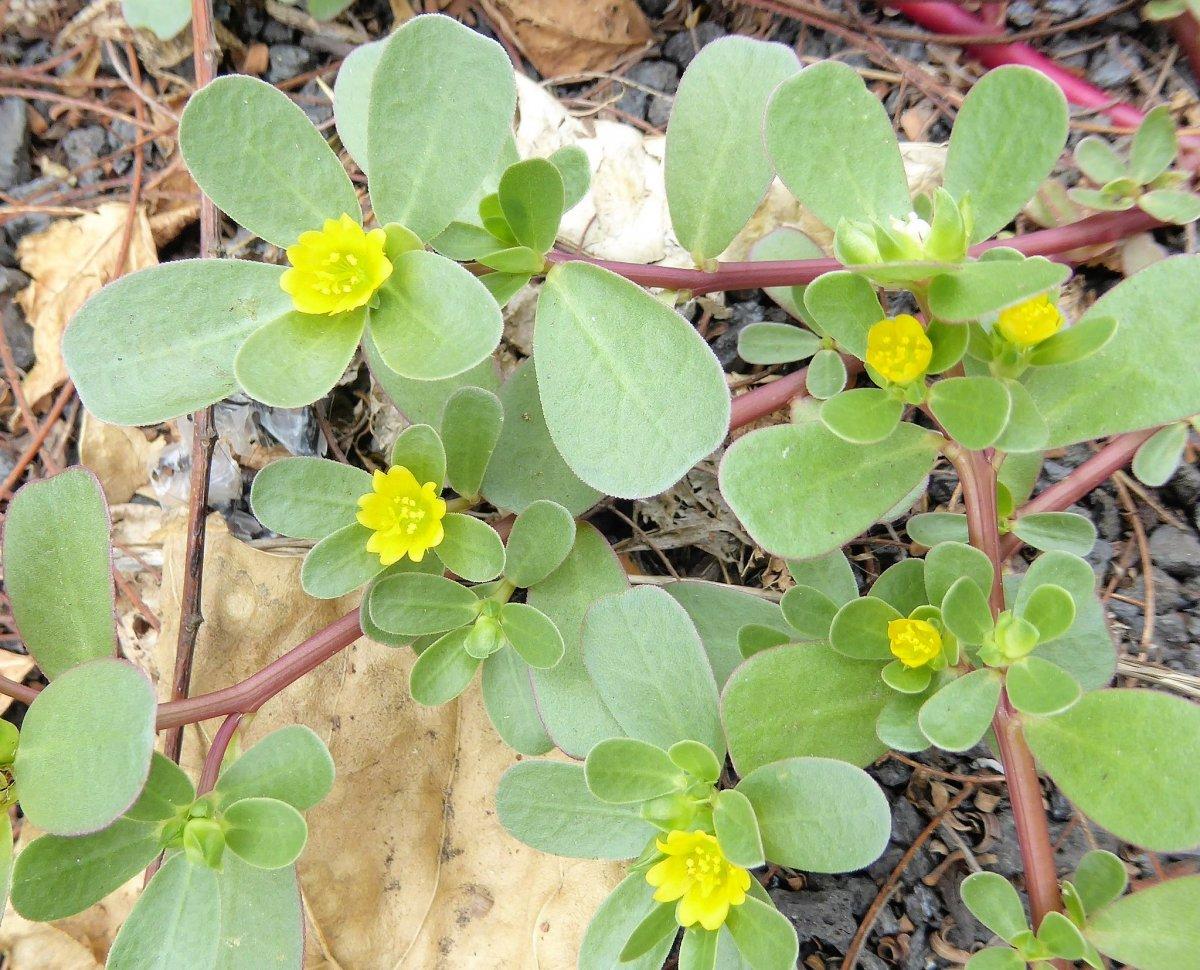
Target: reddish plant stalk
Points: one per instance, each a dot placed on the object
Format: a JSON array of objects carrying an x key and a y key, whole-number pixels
[
  {"x": 204, "y": 438},
  {"x": 216, "y": 753},
  {"x": 978, "y": 478},
  {"x": 1186, "y": 33}
]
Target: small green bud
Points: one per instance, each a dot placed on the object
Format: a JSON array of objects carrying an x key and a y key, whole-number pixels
[
  {"x": 1015, "y": 637},
  {"x": 204, "y": 842},
  {"x": 9, "y": 739},
  {"x": 854, "y": 244},
  {"x": 947, "y": 241},
  {"x": 674, "y": 811},
  {"x": 485, "y": 638}
]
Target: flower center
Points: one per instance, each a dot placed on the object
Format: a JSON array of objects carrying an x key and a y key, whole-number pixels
[
  {"x": 704, "y": 867},
  {"x": 899, "y": 349},
  {"x": 1030, "y": 322},
  {"x": 409, "y": 514},
  {"x": 340, "y": 275},
  {"x": 914, "y": 642}
]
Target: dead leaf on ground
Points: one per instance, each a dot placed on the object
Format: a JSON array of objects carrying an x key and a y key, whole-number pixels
[
  {"x": 69, "y": 262},
  {"x": 568, "y": 36},
  {"x": 120, "y": 457},
  {"x": 406, "y": 864}
]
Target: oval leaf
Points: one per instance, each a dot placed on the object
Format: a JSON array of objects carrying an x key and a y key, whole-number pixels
[
  {"x": 307, "y": 498},
  {"x": 176, "y": 922},
  {"x": 958, "y": 715}
]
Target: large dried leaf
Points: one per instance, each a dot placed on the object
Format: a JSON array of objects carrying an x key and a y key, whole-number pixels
[
  {"x": 68, "y": 262},
  {"x": 567, "y": 36}
]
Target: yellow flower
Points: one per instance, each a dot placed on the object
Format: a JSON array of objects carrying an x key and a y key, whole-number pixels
[
  {"x": 405, "y": 516},
  {"x": 696, "y": 872},
  {"x": 335, "y": 268},
  {"x": 899, "y": 349},
  {"x": 914, "y": 642},
  {"x": 1030, "y": 322}
]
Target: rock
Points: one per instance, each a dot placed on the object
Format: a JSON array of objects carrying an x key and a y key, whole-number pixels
[
  {"x": 906, "y": 823},
  {"x": 1183, "y": 488},
  {"x": 1168, "y": 596},
  {"x": 654, "y": 8},
  {"x": 320, "y": 111},
  {"x": 1175, "y": 551},
  {"x": 20, "y": 227},
  {"x": 1100, "y": 556},
  {"x": 18, "y": 333},
  {"x": 1113, "y": 64},
  {"x": 82, "y": 146},
  {"x": 1107, "y": 516},
  {"x": 14, "y": 143},
  {"x": 826, "y": 916},
  {"x": 1021, "y": 13},
  {"x": 682, "y": 47},
  {"x": 288, "y": 60}
]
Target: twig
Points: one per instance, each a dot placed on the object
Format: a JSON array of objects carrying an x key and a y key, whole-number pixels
[
  {"x": 1143, "y": 546},
  {"x": 205, "y": 54},
  {"x": 39, "y": 438},
  {"x": 216, "y": 753}
]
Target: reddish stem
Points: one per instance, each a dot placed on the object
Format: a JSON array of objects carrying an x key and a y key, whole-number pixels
[
  {"x": 1186, "y": 33},
  {"x": 216, "y": 753}
]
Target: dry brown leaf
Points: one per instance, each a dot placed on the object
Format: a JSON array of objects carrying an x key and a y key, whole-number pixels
[
  {"x": 120, "y": 457},
  {"x": 68, "y": 262},
  {"x": 406, "y": 863},
  {"x": 568, "y": 36}
]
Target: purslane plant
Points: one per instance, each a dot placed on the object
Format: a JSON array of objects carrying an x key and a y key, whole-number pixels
[{"x": 929, "y": 339}]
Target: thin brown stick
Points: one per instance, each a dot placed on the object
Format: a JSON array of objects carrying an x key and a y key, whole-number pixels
[
  {"x": 39, "y": 439},
  {"x": 205, "y": 55}
]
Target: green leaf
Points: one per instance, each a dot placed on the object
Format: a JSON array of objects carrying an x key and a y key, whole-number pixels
[
  {"x": 997, "y": 958},
  {"x": 753, "y": 639},
  {"x": 863, "y": 416},
  {"x": 803, "y": 700},
  {"x": 907, "y": 680},
  {"x": 1050, "y": 609},
  {"x": 737, "y": 829},
  {"x": 801, "y": 491},
  {"x": 307, "y": 498},
  {"x": 472, "y": 549},
  {"x": 775, "y": 343},
  {"x": 946, "y": 562},
  {"x": 1156, "y": 310},
  {"x": 815, "y": 122},
  {"x": 809, "y": 611},
  {"x": 624, "y": 771},
  {"x": 1154, "y": 929},
  {"x": 433, "y": 318},
  {"x": 85, "y": 747},
  {"x": 986, "y": 286},
  {"x": 765, "y": 938},
  {"x": 56, "y": 876},
  {"x": 424, "y": 402},
  {"x": 973, "y": 410},
  {"x": 994, "y": 902},
  {"x": 511, "y": 706},
  {"x": 612, "y": 364},
  {"x": 465, "y": 242},
  {"x": 279, "y": 193},
  {"x": 339, "y": 563},
  {"x": 786, "y": 243},
  {"x": 265, "y": 832},
  {"x": 1143, "y": 786},
  {"x": 697, "y": 759},
  {"x": 419, "y": 448},
  {"x": 1176, "y": 206},
  {"x": 717, "y": 169},
  {"x": 443, "y": 670},
  {"x": 1099, "y": 879},
  {"x": 540, "y": 539},
  {"x": 844, "y": 306},
  {"x": 441, "y": 111},
  {"x": 471, "y": 427},
  {"x": 351, "y": 98},
  {"x": 1061, "y": 936},
  {"x": 700, "y": 949},
  {"x": 575, "y": 171},
  {"x": 155, "y": 344},
  {"x": 1074, "y": 343},
  {"x": 859, "y": 629},
  {"x": 1159, "y": 455},
  {"x": 526, "y": 465},
  {"x": 176, "y": 922},
  {"x": 417, "y": 603},
  {"x": 514, "y": 261},
  {"x": 291, "y": 764},
  {"x": 958, "y": 715},
  {"x": 165, "y": 18},
  {"x": 897, "y": 725},
  {"x": 902, "y": 586},
  {"x": 297, "y": 358},
  {"x": 547, "y": 805},
  {"x": 532, "y": 634},
  {"x": 966, "y": 613},
  {"x": 167, "y": 790},
  {"x": 720, "y": 612},
  {"x": 262, "y": 923},
  {"x": 532, "y": 197},
  {"x": 1056, "y": 532},
  {"x": 1007, "y": 137},
  {"x": 569, "y": 702},
  {"x": 1026, "y": 430},
  {"x": 649, "y": 933},
  {"x": 614, "y": 922},
  {"x": 932, "y": 528},
  {"x": 1086, "y": 650},
  {"x": 1154, "y": 145},
  {"x": 949, "y": 342},
  {"x": 826, "y": 375},
  {"x": 831, "y": 574},
  {"x": 646, "y": 659},
  {"x": 504, "y": 286},
  {"x": 1037, "y": 686},
  {"x": 1114, "y": 197},
  {"x": 327, "y": 9},
  {"x": 55, "y": 539},
  {"x": 1098, "y": 161}
]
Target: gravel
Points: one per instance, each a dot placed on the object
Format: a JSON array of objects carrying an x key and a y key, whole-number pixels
[
  {"x": 1175, "y": 551},
  {"x": 14, "y": 143}
]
